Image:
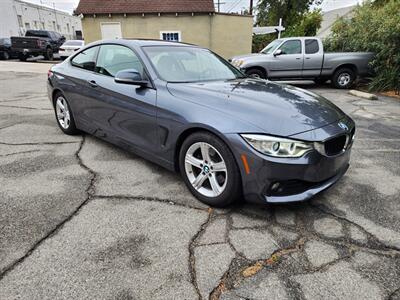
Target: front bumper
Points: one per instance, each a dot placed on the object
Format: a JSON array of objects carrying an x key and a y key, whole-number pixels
[{"x": 281, "y": 180}]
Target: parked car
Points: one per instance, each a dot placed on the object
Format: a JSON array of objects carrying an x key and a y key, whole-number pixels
[
  {"x": 69, "y": 48},
  {"x": 5, "y": 49},
  {"x": 304, "y": 58},
  {"x": 187, "y": 109},
  {"x": 37, "y": 42}
]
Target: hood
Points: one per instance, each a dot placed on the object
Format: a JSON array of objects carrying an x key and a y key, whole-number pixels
[
  {"x": 252, "y": 55},
  {"x": 273, "y": 108}
]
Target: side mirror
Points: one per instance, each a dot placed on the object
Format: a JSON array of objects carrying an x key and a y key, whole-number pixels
[
  {"x": 278, "y": 52},
  {"x": 130, "y": 76}
]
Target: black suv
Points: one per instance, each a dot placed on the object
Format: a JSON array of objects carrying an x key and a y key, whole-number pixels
[{"x": 37, "y": 42}]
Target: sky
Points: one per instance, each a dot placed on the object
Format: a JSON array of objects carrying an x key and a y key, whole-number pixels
[{"x": 228, "y": 6}]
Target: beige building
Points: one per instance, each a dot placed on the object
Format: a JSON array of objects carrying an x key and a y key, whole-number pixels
[{"x": 186, "y": 21}]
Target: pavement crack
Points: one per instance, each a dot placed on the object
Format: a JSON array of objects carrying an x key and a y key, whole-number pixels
[
  {"x": 25, "y": 107},
  {"x": 20, "y": 152},
  {"x": 38, "y": 143},
  {"x": 59, "y": 226},
  {"x": 192, "y": 246},
  {"x": 149, "y": 199},
  {"x": 382, "y": 245}
]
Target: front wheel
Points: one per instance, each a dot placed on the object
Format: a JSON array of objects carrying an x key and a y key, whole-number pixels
[
  {"x": 256, "y": 72},
  {"x": 209, "y": 169},
  {"x": 49, "y": 54},
  {"x": 343, "y": 78}
]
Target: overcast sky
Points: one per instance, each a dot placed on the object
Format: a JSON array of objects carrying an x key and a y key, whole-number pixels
[{"x": 228, "y": 6}]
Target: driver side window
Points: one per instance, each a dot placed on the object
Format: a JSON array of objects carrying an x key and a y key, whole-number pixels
[
  {"x": 291, "y": 47},
  {"x": 115, "y": 58}
]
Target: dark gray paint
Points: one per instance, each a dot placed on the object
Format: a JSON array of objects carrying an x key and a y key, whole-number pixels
[{"x": 151, "y": 121}]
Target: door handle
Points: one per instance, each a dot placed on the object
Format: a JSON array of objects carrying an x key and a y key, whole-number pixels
[
  {"x": 308, "y": 57},
  {"x": 298, "y": 57},
  {"x": 92, "y": 83}
]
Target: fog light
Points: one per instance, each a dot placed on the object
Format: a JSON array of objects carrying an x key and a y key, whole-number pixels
[{"x": 275, "y": 186}]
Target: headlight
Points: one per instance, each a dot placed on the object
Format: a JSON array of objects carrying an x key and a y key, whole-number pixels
[
  {"x": 278, "y": 147},
  {"x": 238, "y": 63}
]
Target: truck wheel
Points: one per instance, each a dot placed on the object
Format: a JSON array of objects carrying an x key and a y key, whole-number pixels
[
  {"x": 23, "y": 57},
  {"x": 343, "y": 78},
  {"x": 257, "y": 72},
  {"x": 49, "y": 54},
  {"x": 5, "y": 55}
]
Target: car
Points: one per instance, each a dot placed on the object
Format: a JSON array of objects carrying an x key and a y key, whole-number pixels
[
  {"x": 304, "y": 58},
  {"x": 37, "y": 42},
  {"x": 69, "y": 48},
  {"x": 5, "y": 49},
  {"x": 189, "y": 110}
]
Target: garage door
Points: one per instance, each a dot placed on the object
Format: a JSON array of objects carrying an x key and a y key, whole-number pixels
[{"x": 111, "y": 30}]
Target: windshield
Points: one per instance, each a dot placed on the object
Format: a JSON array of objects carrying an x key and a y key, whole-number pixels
[
  {"x": 190, "y": 64},
  {"x": 271, "y": 47},
  {"x": 73, "y": 43}
]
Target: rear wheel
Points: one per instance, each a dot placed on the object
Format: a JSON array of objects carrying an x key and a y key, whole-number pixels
[
  {"x": 343, "y": 78},
  {"x": 5, "y": 55},
  {"x": 64, "y": 117},
  {"x": 256, "y": 72},
  {"x": 49, "y": 54},
  {"x": 209, "y": 169}
]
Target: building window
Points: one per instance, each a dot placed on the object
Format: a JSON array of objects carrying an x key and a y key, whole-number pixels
[
  {"x": 35, "y": 24},
  {"x": 68, "y": 28},
  {"x": 20, "y": 21},
  {"x": 54, "y": 25},
  {"x": 27, "y": 26},
  {"x": 43, "y": 25},
  {"x": 173, "y": 36}
]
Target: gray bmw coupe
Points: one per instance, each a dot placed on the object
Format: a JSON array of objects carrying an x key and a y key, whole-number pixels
[{"x": 188, "y": 110}]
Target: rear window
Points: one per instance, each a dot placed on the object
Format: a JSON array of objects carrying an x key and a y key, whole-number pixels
[
  {"x": 312, "y": 46},
  {"x": 38, "y": 33}
]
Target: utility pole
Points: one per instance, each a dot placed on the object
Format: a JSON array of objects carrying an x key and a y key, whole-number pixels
[{"x": 251, "y": 7}]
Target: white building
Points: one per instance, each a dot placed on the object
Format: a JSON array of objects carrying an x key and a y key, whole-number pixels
[
  {"x": 329, "y": 18},
  {"x": 16, "y": 17}
]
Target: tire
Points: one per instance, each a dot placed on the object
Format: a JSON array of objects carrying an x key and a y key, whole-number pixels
[
  {"x": 49, "y": 54},
  {"x": 68, "y": 124},
  {"x": 5, "y": 55},
  {"x": 343, "y": 78},
  {"x": 23, "y": 57},
  {"x": 257, "y": 72},
  {"x": 228, "y": 181},
  {"x": 320, "y": 80}
]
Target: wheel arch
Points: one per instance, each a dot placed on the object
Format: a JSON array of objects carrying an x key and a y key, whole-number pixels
[
  {"x": 262, "y": 69},
  {"x": 191, "y": 130},
  {"x": 353, "y": 67}
]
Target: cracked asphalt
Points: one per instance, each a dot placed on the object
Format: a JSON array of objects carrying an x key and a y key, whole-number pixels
[{"x": 82, "y": 219}]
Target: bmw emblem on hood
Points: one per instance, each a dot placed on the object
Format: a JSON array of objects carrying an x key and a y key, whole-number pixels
[{"x": 343, "y": 126}]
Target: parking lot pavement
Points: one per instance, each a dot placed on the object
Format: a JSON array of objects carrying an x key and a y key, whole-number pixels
[{"x": 82, "y": 219}]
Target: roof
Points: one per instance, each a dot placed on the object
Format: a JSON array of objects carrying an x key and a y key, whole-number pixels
[
  {"x": 144, "y": 6},
  {"x": 142, "y": 42},
  {"x": 267, "y": 29}
]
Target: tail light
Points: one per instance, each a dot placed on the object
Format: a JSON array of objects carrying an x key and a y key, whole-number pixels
[{"x": 49, "y": 73}]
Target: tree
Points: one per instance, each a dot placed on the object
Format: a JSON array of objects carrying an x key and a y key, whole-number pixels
[{"x": 291, "y": 11}]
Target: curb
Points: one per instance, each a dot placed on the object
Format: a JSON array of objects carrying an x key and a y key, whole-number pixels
[{"x": 363, "y": 95}]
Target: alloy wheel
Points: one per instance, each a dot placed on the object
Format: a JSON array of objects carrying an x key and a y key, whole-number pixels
[
  {"x": 63, "y": 114},
  {"x": 206, "y": 169},
  {"x": 344, "y": 79}
]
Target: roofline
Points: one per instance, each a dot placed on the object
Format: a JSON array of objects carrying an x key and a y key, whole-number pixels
[{"x": 163, "y": 13}]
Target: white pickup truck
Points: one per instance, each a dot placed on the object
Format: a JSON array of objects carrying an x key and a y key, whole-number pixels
[{"x": 304, "y": 58}]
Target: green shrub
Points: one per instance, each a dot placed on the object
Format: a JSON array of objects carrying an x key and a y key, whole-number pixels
[{"x": 374, "y": 27}]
